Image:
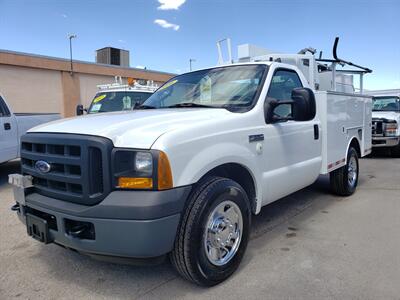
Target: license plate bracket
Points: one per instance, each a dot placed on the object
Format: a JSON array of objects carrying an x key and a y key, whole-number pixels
[{"x": 37, "y": 228}]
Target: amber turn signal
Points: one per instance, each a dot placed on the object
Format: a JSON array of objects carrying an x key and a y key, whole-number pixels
[
  {"x": 164, "y": 172},
  {"x": 135, "y": 183}
]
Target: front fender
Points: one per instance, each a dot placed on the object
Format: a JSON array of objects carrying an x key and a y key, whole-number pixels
[{"x": 199, "y": 163}]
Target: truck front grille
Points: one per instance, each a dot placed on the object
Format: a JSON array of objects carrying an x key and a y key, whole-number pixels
[
  {"x": 79, "y": 166},
  {"x": 377, "y": 127}
]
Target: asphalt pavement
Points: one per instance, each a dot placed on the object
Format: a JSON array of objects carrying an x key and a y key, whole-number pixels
[{"x": 309, "y": 245}]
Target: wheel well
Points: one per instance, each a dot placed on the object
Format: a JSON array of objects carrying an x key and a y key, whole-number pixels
[
  {"x": 356, "y": 145},
  {"x": 241, "y": 175}
]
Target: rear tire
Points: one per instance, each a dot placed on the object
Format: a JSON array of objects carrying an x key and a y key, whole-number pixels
[
  {"x": 215, "y": 224},
  {"x": 345, "y": 179}
]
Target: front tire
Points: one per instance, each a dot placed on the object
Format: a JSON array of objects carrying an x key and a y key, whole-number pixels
[
  {"x": 214, "y": 232},
  {"x": 344, "y": 180}
]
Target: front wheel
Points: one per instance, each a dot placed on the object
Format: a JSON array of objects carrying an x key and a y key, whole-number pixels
[
  {"x": 214, "y": 232},
  {"x": 345, "y": 179}
]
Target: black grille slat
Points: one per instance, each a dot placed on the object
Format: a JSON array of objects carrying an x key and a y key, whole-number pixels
[
  {"x": 74, "y": 151},
  {"x": 96, "y": 171},
  {"x": 50, "y": 157},
  {"x": 51, "y": 193},
  {"x": 80, "y": 166},
  {"x": 73, "y": 170},
  {"x": 377, "y": 127},
  {"x": 54, "y": 176},
  {"x": 56, "y": 149}
]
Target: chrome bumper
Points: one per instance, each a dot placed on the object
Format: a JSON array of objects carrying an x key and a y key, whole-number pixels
[{"x": 385, "y": 141}]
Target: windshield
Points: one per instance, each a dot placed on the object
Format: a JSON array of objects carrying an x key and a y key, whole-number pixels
[
  {"x": 117, "y": 101},
  {"x": 386, "y": 104},
  {"x": 232, "y": 87}
]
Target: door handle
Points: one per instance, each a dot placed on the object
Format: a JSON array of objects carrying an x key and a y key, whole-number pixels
[
  {"x": 316, "y": 132},
  {"x": 7, "y": 126}
]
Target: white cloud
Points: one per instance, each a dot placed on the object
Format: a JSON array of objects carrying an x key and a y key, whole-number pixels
[
  {"x": 170, "y": 4},
  {"x": 166, "y": 24},
  {"x": 64, "y": 16},
  {"x": 140, "y": 67},
  {"x": 122, "y": 41}
]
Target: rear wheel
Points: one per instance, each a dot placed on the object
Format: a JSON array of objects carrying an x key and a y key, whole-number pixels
[
  {"x": 345, "y": 179},
  {"x": 214, "y": 232}
]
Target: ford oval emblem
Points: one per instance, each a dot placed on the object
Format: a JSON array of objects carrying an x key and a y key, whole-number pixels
[{"x": 42, "y": 166}]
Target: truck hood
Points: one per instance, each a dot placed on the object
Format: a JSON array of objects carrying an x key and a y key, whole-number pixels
[
  {"x": 390, "y": 115},
  {"x": 133, "y": 129}
]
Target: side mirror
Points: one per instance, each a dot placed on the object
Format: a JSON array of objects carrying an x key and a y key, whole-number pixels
[
  {"x": 304, "y": 108},
  {"x": 270, "y": 105},
  {"x": 79, "y": 110},
  {"x": 302, "y": 103}
]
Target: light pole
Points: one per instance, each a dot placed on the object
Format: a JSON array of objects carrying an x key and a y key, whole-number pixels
[
  {"x": 71, "y": 36},
  {"x": 190, "y": 63}
]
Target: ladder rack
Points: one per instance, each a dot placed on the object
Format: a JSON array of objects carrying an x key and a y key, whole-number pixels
[
  {"x": 321, "y": 74},
  {"x": 118, "y": 84}
]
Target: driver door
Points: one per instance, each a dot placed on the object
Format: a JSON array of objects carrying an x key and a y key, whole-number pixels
[
  {"x": 292, "y": 151},
  {"x": 8, "y": 134}
]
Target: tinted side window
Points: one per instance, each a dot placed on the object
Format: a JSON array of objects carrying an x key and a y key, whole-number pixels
[
  {"x": 282, "y": 84},
  {"x": 3, "y": 108}
]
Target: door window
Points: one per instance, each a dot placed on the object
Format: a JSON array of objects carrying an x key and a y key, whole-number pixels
[
  {"x": 3, "y": 108},
  {"x": 282, "y": 84}
]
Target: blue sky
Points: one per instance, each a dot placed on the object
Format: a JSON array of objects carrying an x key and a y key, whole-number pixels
[{"x": 369, "y": 30}]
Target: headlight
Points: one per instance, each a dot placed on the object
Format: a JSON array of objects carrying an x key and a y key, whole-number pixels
[
  {"x": 144, "y": 162},
  {"x": 390, "y": 129},
  {"x": 141, "y": 170}
]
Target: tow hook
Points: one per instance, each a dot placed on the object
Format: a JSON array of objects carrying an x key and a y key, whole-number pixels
[
  {"x": 15, "y": 207},
  {"x": 78, "y": 231}
]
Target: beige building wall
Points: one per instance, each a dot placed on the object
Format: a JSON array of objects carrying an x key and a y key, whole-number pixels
[
  {"x": 88, "y": 86},
  {"x": 29, "y": 90},
  {"x": 40, "y": 84}
]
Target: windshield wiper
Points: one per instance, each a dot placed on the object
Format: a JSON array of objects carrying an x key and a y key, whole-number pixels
[
  {"x": 143, "y": 106},
  {"x": 190, "y": 104},
  {"x": 392, "y": 110}
]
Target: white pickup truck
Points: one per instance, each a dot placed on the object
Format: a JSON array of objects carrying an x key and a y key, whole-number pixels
[
  {"x": 118, "y": 97},
  {"x": 183, "y": 174},
  {"x": 12, "y": 126},
  {"x": 386, "y": 121}
]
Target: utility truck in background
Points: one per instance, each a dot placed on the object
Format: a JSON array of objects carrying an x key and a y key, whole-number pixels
[
  {"x": 118, "y": 96},
  {"x": 13, "y": 125},
  {"x": 184, "y": 173},
  {"x": 386, "y": 120}
]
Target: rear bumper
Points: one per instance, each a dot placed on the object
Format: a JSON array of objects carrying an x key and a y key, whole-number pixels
[
  {"x": 125, "y": 224},
  {"x": 385, "y": 141}
]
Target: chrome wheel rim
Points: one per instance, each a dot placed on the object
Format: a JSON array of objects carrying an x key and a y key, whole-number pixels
[
  {"x": 223, "y": 233},
  {"x": 352, "y": 171}
]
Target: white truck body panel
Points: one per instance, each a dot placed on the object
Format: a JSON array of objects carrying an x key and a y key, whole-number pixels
[
  {"x": 13, "y": 126},
  {"x": 343, "y": 118}
]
